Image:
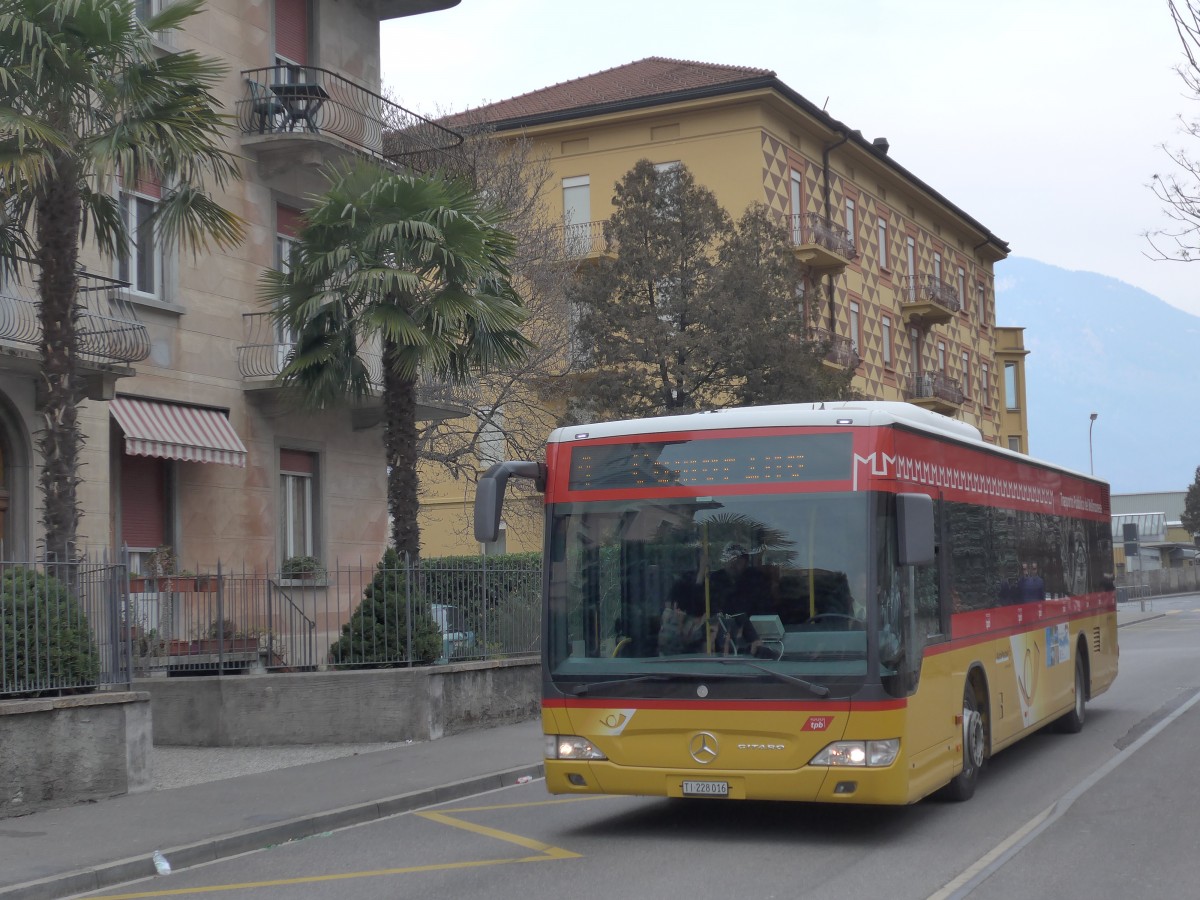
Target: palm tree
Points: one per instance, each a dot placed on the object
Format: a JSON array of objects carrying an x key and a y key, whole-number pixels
[
  {"x": 85, "y": 98},
  {"x": 416, "y": 266}
]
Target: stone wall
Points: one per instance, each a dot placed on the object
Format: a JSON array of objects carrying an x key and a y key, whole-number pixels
[
  {"x": 62, "y": 750},
  {"x": 374, "y": 705}
]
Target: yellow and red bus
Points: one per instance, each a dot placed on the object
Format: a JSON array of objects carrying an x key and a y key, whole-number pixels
[{"x": 842, "y": 602}]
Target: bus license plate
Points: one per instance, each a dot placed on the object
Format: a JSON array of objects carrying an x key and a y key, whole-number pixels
[{"x": 706, "y": 788}]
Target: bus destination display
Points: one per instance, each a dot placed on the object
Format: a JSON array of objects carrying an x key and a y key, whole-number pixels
[{"x": 777, "y": 459}]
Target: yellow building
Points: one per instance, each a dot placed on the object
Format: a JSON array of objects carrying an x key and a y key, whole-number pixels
[
  {"x": 189, "y": 442},
  {"x": 900, "y": 279}
]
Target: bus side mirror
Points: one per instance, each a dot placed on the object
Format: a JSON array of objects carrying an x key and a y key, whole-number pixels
[
  {"x": 914, "y": 529},
  {"x": 489, "y": 495}
]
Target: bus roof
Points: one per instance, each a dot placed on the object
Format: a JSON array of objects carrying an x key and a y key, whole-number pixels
[{"x": 830, "y": 413}]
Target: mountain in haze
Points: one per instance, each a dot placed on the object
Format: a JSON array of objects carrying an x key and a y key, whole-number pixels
[{"x": 1100, "y": 345}]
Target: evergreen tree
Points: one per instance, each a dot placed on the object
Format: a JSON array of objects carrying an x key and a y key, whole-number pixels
[
  {"x": 694, "y": 311},
  {"x": 1191, "y": 506}
]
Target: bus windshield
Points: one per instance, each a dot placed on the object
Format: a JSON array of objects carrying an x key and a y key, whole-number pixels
[{"x": 734, "y": 590}]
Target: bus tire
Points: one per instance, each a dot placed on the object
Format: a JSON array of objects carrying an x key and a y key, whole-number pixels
[
  {"x": 962, "y": 786},
  {"x": 1072, "y": 722}
]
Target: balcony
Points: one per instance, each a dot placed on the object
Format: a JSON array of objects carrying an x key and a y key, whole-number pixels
[
  {"x": 262, "y": 358},
  {"x": 108, "y": 333},
  {"x": 298, "y": 119},
  {"x": 926, "y": 300},
  {"x": 934, "y": 391},
  {"x": 842, "y": 354},
  {"x": 585, "y": 242},
  {"x": 820, "y": 244}
]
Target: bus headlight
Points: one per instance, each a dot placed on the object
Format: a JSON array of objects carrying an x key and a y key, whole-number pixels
[
  {"x": 858, "y": 753},
  {"x": 569, "y": 746}
]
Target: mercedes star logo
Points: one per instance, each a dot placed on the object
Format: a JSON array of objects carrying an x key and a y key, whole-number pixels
[{"x": 703, "y": 748}]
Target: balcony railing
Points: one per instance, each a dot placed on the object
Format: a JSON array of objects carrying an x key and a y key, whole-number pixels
[
  {"x": 585, "y": 239},
  {"x": 929, "y": 289},
  {"x": 841, "y": 352},
  {"x": 299, "y": 100},
  {"x": 812, "y": 229},
  {"x": 266, "y": 352},
  {"x": 108, "y": 331},
  {"x": 933, "y": 386}
]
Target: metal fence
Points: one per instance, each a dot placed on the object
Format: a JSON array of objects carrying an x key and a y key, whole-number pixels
[
  {"x": 61, "y": 628},
  {"x": 76, "y": 627},
  {"x": 342, "y": 617},
  {"x": 1145, "y": 583}
]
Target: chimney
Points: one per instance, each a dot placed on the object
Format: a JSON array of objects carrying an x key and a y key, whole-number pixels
[{"x": 881, "y": 144}]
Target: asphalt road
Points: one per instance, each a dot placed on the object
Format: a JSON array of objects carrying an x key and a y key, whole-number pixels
[{"x": 1110, "y": 812}]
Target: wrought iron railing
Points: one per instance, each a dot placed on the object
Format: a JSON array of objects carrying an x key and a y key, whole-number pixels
[
  {"x": 307, "y": 99},
  {"x": 933, "y": 385},
  {"x": 812, "y": 228},
  {"x": 842, "y": 350},
  {"x": 930, "y": 289},
  {"x": 108, "y": 331},
  {"x": 267, "y": 349}
]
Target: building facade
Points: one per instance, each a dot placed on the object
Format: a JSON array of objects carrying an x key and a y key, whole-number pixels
[
  {"x": 189, "y": 442},
  {"x": 899, "y": 281}
]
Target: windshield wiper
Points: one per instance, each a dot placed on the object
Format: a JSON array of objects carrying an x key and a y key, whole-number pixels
[
  {"x": 580, "y": 689},
  {"x": 819, "y": 689}
]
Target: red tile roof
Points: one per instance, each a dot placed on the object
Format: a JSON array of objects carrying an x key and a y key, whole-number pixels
[{"x": 648, "y": 77}]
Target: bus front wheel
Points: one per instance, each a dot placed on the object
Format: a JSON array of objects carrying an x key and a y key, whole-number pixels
[{"x": 974, "y": 745}]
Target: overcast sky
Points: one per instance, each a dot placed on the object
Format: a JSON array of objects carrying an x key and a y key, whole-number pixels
[{"x": 1042, "y": 119}]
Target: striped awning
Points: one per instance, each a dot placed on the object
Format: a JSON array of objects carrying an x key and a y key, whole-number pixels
[{"x": 177, "y": 431}]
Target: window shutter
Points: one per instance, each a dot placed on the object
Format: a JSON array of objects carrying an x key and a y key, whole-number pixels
[
  {"x": 297, "y": 461},
  {"x": 291, "y": 30},
  {"x": 143, "y": 501},
  {"x": 287, "y": 221}
]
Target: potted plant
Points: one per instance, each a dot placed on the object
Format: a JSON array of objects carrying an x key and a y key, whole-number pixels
[
  {"x": 302, "y": 568},
  {"x": 156, "y": 567}
]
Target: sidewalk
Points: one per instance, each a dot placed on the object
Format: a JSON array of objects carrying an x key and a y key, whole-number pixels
[
  {"x": 219, "y": 812},
  {"x": 60, "y": 852}
]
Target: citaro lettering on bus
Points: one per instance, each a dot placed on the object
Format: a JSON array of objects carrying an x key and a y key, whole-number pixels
[{"x": 817, "y": 723}]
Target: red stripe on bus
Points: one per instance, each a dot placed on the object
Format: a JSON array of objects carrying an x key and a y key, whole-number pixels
[{"x": 823, "y": 706}]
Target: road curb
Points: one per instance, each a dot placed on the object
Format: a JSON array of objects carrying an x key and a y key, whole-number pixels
[{"x": 187, "y": 855}]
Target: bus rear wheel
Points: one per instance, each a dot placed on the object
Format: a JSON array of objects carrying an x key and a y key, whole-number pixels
[
  {"x": 974, "y": 744},
  {"x": 1072, "y": 722}
]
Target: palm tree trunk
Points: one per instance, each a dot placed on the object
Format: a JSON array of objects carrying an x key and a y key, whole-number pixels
[
  {"x": 60, "y": 439},
  {"x": 400, "y": 447}
]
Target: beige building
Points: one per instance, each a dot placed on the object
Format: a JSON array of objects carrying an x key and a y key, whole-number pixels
[
  {"x": 189, "y": 442},
  {"x": 899, "y": 280}
]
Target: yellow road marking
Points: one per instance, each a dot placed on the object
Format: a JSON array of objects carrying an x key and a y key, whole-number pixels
[{"x": 546, "y": 853}]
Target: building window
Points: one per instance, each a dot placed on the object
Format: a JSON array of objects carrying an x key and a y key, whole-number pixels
[
  {"x": 910, "y": 250},
  {"x": 1014, "y": 442},
  {"x": 981, "y": 302},
  {"x": 855, "y": 338},
  {"x": 961, "y": 286},
  {"x": 850, "y": 226},
  {"x": 142, "y": 265},
  {"x": 883, "y": 248},
  {"x": 491, "y": 437},
  {"x": 1010, "y": 386},
  {"x": 985, "y": 384},
  {"x": 577, "y": 214},
  {"x": 297, "y": 498},
  {"x": 914, "y": 349},
  {"x": 672, "y": 166},
  {"x": 887, "y": 341},
  {"x": 937, "y": 267},
  {"x": 966, "y": 374},
  {"x": 941, "y": 357},
  {"x": 797, "y": 210}
]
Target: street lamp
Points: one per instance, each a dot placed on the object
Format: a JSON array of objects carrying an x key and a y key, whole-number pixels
[{"x": 1091, "y": 465}]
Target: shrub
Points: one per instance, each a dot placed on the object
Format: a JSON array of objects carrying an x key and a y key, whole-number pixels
[
  {"x": 378, "y": 632},
  {"x": 302, "y": 567},
  {"x": 48, "y": 644}
]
